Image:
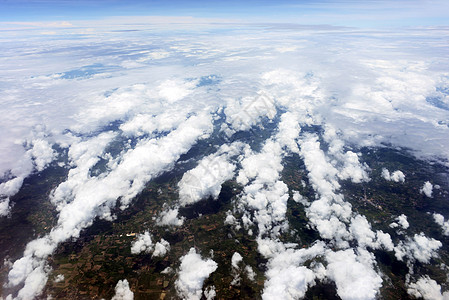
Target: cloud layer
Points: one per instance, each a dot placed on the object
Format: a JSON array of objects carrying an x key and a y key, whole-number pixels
[{"x": 144, "y": 105}]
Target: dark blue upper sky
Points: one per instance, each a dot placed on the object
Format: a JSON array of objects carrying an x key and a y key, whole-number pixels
[{"x": 335, "y": 12}]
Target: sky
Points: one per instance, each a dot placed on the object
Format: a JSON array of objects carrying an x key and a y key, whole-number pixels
[{"x": 372, "y": 13}]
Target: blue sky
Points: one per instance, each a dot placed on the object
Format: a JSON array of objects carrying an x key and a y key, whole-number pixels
[{"x": 371, "y": 13}]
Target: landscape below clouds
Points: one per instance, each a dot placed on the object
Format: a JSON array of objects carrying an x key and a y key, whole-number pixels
[{"x": 232, "y": 108}]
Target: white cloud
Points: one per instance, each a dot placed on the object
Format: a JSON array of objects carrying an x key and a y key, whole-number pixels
[
  {"x": 161, "y": 248},
  {"x": 358, "y": 100},
  {"x": 4, "y": 207},
  {"x": 122, "y": 291},
  {"x": 401, "y": 221},
  {"x": 361, "y": 230},
  {"x": 250, "y": 273},
  {"x": 427, "y": 289},
  {"x": 292, "y": 283},
  {"x": 419, "y": 248},
  {"x": 169, "y": 218},
  {"x": 167, "y": 270},
  {"x": 353, "y": 274},
  {"x": 42, "y": 154},
  {"x": 350, "y": 166},
  {"x": 59, "y": 278},
  {"x": 210, "y": 293},
  {"x": 174, "y": 90},
  {"x": 93, "y": 196},
  {"x": 286, "y": 277},
  {"x": 439, "y": 219},
  {"x": 396, "y": 176},
  {"x": 192, "y": 273},
  {"x": 207, "y": 177},
  {"x": 143, "y": 243},
  {"x": 427, "y": 189},
  {"x": 236, "y": 259},
  {"x": 243, "y": 113}
]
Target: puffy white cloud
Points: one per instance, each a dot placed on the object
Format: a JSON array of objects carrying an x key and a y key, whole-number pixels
[
  {"x": 207, "y": 177},
  {"x": 170, "y": 218},
  {"x": 42, "y": 153},
  {"x": 236, "y": 259},
  {"x": 149, "y": 124},
  {"x": 361, "y": 230},
  {"x": 427, "y": 289},
  {"x": 122, "y": 291},
  {"x": 210, "y": 293},
  {"x": 93, "y": 196},
  {"x": 401, "y": 221},
  {"x": 161, "y": 248},
  {"x": 34, "y": 274},
  {"x": 419, "y": 247},
  {"x": 289, "y": 130},
  {"x": 396, "y": 176},
  {"x": 143, "y": 243},
  {"x": 250, "y": 273},
  {"x": 427, "y": 189},
  {"x": 286, "y": 277},
  {"x": 242, "y": 114},
  {"x": 381, "y": 100},
  {"x": 353, "y": 274},
  {"x": 4, "y": 207},
  {"x": 59, "y": 278},
  {"x": 439, "y": 219},
  {"x": 174, "y": 90},
  {"x": 231, "y": 220},
  {"x": 348, "y": 164},
  {"x": 167, "y": 270},
  {"x": 264, "y": 193},
  {"x": 192, "y": 273},
  {"x": 291, "y": 283}
]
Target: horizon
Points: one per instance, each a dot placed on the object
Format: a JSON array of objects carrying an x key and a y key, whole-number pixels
[{"x": 374, "y": 14}]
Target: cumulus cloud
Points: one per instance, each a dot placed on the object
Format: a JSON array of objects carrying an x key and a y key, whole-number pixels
[
  {"x": 39, "y": 155},
  {"x": 42, "y": 154},
  {"x": 122, "y": 291},
  {"x": 347, "y": 164},
  {"x": 4, "y": 207},
  {"x": 169, "y": 218},
  {"x": 439, "y": 219},
  {"x": 192, "y": 273},
  {"x": 210, "y": 293},
  {"x": 173, "y": 90},
  {"x": 353, "y": 274},
  {"x": 207, "y": 177},
  {"x": 143, "y": 243},
  {"x": 236, "y": 260},
  {"x": 400, "y": 221},
  {"x": 250, "y": 273},
  {"x": 242, "y": 114},
  {"x": 263, "y": 193},
  {"x": 287, "y": 278},
  {"x": 93, "y": 196},
  {"x": 419, "y": 248},
  {"x": 427, "y": 189},
  {"x": 161, "y": 248},
  {"x": 396, "y": 176},
  {"x": 427, "y": 289},
  {"x": 383, "y": 100}
]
